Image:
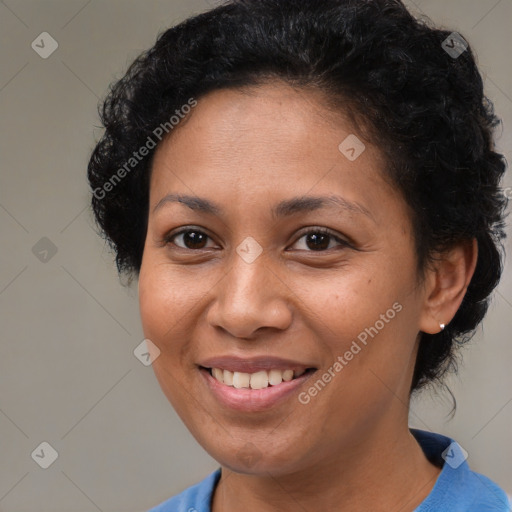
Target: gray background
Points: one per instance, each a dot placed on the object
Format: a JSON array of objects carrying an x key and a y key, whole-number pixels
[{"x": 68, "y": 375}]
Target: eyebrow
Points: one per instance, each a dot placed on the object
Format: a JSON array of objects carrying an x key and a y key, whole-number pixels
[{"x": 285, "y": 208}]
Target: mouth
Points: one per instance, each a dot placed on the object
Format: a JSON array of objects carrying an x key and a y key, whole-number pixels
[
  {"x": 261, "y": 379},
  {"x": 263, "y": 386}
]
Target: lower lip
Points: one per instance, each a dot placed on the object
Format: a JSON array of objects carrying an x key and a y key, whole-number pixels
[{"x": 253, "y": 400}]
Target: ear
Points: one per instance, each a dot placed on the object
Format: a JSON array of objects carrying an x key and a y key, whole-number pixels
[{"x": 446, "y": 282}]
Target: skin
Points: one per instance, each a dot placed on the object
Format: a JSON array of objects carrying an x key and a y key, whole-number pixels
[{"x": 349, "y": 448}]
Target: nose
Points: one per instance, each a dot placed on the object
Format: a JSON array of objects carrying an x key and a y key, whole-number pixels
[{"x": 251, "y": 297}]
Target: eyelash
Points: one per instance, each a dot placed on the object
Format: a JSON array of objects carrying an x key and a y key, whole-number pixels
[{"x": 324, "y": 231}]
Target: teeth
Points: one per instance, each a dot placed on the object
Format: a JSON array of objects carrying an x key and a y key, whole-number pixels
[
  {"x": 218, "y": 374},
  {"x": 257, "y": 380},
  {"x": 241, "y": 380},
  {"x": 275, "y": 377},
  {"x": 287, "y": 375},
  {"x": 228, "y": 377}
]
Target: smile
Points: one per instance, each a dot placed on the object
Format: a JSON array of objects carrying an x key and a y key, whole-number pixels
[
  {"x": 257, "y": 380},
  {"x": 256, "y": 391}
]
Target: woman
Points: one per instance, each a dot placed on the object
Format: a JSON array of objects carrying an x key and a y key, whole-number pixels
[{"x": 309, "y": 196}]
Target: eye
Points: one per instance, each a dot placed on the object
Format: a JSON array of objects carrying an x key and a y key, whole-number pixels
[
  {"x": 317, "y": 240},
  {"x": 189, "y": 239},
  {"x": 320, "y": 239}
]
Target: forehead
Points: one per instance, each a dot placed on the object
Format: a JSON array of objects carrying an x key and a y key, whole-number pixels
[
  {"x": 267, "y": 120},
  {"x": 267, "y": 140}
]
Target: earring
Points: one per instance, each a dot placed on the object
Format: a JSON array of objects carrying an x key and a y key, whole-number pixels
[{"x": 442, "y": 326}]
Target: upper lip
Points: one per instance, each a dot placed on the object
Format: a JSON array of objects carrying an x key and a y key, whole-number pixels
[{"x": 253, "y": 364}]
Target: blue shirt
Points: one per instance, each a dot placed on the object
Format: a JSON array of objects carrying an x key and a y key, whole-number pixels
[{"x": 457, "y": 489}]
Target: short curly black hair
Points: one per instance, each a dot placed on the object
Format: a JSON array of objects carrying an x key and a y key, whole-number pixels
[{"x": 422, "y": 106}]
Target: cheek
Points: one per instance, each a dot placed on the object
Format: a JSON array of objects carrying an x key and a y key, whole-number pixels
[
  {"x": 163, "y": 306},
  {"x": 366, "y": 320},
  {"x": 348, "y": 304},
  {"x": 166, "y": 298}
]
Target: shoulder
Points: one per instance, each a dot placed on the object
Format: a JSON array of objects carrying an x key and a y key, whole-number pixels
[
  {"x": 458, "y": 488},
  {"x": 194, "y": 499}
]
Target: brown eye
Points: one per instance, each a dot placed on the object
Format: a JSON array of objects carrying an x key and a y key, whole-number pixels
[
  {"x": 190, "y": 239},
  {"x": 320, "y": 240}
]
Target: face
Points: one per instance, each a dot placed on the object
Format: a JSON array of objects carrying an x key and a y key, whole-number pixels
[{"x": 244, "y": 279}]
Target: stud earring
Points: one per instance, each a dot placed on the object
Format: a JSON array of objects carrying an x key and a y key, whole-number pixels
[{"x": 442, "y": 326}]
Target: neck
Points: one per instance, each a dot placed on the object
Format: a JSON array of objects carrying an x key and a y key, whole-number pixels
[{"x": 385, "y": 472}]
